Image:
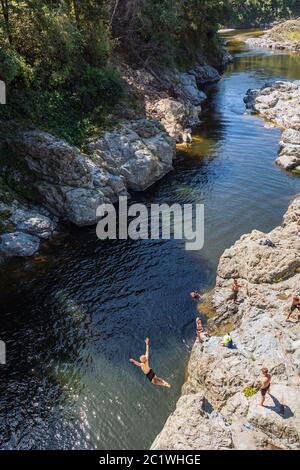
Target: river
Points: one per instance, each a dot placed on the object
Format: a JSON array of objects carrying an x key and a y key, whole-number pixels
[{"x": 72, "y": 316}]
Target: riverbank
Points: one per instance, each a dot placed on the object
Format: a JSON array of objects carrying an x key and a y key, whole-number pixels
[
  {"x": 69, "y": 183},
  {"x": 219, "y": 407},
  {"x": 284, "y": 36}
]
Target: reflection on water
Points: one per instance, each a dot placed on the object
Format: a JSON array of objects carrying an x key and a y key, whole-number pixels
[{"x": 73, "y": 316}]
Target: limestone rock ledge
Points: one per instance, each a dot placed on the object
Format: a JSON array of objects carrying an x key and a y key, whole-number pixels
[
  {"x": 71, "y": 184},
  {"x": 173, "y": 97},
  {"x": 279, "y": 104},
  {"x": 214, "y": 411}
]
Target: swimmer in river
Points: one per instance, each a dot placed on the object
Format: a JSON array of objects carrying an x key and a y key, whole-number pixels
[{"x": 149, "y": 373}]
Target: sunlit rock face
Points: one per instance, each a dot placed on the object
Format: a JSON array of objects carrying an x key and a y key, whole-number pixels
[
  {"x": 73, "y": 184},
  {"x": 284, "y": 36},
  {"x": 173, "y": 97}
]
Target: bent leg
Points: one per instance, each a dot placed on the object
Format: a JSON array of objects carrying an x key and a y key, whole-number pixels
[{"x": 157, "y": 381}]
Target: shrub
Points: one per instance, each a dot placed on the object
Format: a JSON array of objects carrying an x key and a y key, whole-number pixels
[{"x": 249, "y": 391}]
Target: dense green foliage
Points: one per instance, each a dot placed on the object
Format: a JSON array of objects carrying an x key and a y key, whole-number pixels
[
  {"x": 257, "y": 12},
  {"x": 55, "y": 57},
  {"x": 175, "y": 31},
  {"x": 59, "y": 58}
]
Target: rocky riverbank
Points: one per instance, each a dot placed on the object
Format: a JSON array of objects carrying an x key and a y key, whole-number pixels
[
  {"x": 284, "y": 36},
  {"x": 70, "y": 183},
  {"x": 279, "y": 104},
  {"x": 219, "y": 407}
]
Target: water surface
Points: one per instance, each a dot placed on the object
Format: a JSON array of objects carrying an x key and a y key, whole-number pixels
[{"x": 73, "y": 316}]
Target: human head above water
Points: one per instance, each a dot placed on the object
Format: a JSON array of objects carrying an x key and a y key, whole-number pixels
[{"x": 143, "y": 358}]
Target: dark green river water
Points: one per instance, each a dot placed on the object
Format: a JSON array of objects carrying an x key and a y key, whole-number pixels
[{"x": 72, "y": 316}]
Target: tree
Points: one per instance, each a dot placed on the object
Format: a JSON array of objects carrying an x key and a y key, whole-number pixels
[{"x": 5, "y": 7}]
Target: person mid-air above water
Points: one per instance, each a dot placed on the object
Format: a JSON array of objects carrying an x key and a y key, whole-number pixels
[{"x": 144, "y": 365}]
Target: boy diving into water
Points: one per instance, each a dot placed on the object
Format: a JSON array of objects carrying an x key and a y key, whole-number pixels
[{"x": 149, "y": 373}]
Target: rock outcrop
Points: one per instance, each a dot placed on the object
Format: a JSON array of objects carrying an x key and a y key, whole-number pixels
[
  {"x": 284, "y": 36},
  {"x": 73, "y": 184},
  {"x": 219, "y": 406},
  {"x": 279, "y": 104},
  {"x": 172, "y": 97},
  {"x": 23, "y": 228}
]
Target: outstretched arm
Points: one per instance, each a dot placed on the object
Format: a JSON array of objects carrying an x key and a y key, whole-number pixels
[
  {"x": 147, "y": 348},
  {"x": 136, "y": 363}
]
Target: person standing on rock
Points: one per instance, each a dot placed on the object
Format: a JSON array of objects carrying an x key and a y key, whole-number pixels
[
  {"x": 295, "y": 305},
  {"x": 149, "y": 373},
  {"x": 235, "y": 289},
  {"x": 266, "y": 384}
]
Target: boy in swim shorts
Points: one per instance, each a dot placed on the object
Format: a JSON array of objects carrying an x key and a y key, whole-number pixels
[{"x": 149, "y": 373}]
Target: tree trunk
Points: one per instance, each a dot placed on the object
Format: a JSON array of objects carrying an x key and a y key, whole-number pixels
[{"x": 77, "y": 11}]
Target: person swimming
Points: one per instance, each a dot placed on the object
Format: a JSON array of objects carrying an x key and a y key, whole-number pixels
[
  {"x": 149, "y": 373},
  {"x": 195, "y": 295},
  {"x": 295, "y": 304}
]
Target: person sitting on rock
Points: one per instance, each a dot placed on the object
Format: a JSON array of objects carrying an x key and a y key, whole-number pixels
[
  {"x": 149, "y": 373},
  {"x": 267, "y": 242},
  {"x": 200, "y": 331},
  {"x": 295, "y": 305},
  {"x": 227, "y": 341},
  {"x": 235, "y": 289},
  {"x": 195, "y": 295},
  {"x": 266, "y": 384}
]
